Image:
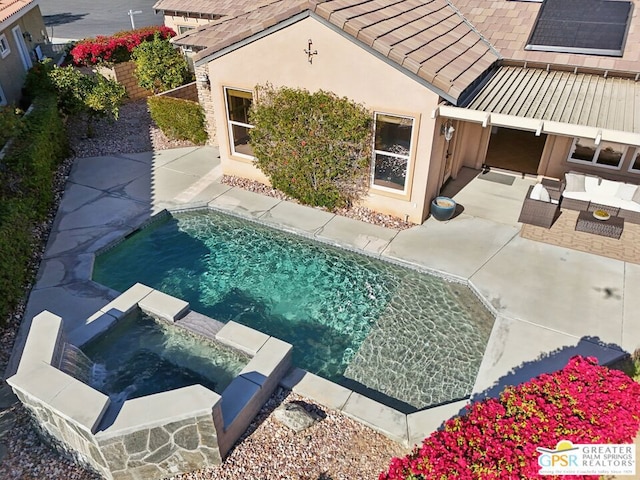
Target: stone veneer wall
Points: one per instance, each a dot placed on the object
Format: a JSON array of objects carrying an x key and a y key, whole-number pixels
[
  {"x": 123, "y": 73},
  {"x": 149, "y": 437},
  {"x": 204, "y": 98}
]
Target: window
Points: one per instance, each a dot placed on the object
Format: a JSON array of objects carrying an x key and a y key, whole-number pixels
[
  {"x": 635, "y": 165},
  {"x": 392, "y": 152},
  {"x": 184, "y": 28},
  {"x": 238, "y": 105},
  {"x": 4, "y": 46},
  {"x": 607, "y": 154}
]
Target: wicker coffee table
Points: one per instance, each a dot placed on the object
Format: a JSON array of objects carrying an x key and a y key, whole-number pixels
[{"x": 607, "y": 228}]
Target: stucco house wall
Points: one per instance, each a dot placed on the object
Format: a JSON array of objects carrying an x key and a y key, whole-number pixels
[
  {"x": 12, "y": 70},
  {"x": 346, "y": 69}
]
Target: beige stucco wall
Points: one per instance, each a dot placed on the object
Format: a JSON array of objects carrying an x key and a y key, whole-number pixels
[
  {"x": 346, "y": 69},
  {"x": 12, "y": 72}
]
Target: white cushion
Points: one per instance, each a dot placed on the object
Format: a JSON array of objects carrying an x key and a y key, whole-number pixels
[
  {"x": 575, "y": 182},
  {"x": 591, "y": 184},
  {"x": 626, "y": 191},
  {"x": 536, "y": 192},
  {"x": 630, "y": 205},
  {"x": 608, "y": 188},
  {"x": 544, "y": 195},
  {"x": 636, "y": 196},
  {"x": 609, "y": 200},
  {"x": 584, "y": 196}
]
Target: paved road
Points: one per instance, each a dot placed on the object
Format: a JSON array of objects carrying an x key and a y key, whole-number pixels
[{"x": 76, "y": 19}]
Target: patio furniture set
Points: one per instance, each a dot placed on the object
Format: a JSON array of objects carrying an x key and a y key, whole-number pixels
[{"x": 604, "y": 205}]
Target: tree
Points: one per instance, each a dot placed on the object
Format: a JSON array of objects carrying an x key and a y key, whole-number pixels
[
  {"x": 159, "y": 66},
  {"x": 92, "y": 95},
  {"x": 314, "y": 147}
]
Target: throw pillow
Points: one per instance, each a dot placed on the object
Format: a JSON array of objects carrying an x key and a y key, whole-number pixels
[
  {"x": 536, "y": 192},
  {"x": 636, "y": 196},
  {"x": 575, "y": 182},
  {"x": 608, "y": 188},
  {"x": 591, "y": 184},
  {"x": 626, "y": 191}
]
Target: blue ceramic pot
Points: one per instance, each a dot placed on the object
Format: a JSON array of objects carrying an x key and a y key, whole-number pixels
[{"x": 443, "y": 208}]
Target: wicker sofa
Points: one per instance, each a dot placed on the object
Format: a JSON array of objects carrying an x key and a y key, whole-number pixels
[{"x": 588, "y": 192}]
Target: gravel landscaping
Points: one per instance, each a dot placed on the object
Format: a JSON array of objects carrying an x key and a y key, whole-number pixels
[{"x": 334, "y": 447}]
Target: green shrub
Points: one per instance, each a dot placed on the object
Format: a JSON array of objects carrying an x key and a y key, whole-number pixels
[
  {"x": 9, "y": 123},
  {"x": 314, "y": 147},
  {"x": 26, "y": 194},
  {"x": 179, "y": 119},
  {"x": 15, "y": 251},
  {"x": 160, "y": 66},
  {"x": 91, "y": 95},
  {"x": 38, "y": 81}
]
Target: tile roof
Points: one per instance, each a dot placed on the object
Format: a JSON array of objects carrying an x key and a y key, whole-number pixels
[
  {"x": 11, "y": 7},
  {"x": 205, "y": 7},
  {"x": 429, "y": 39},
  {"x": 507, "y": 24},
  {"x": 588, "y": 99}
]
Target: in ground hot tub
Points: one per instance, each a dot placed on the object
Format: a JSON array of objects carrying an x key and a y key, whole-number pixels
[{"x": 159, "y": 409}]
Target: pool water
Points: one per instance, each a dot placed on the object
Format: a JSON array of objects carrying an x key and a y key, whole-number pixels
[
  {"x": 141, "y": 356},
  {"x": 393, "y": 332}
]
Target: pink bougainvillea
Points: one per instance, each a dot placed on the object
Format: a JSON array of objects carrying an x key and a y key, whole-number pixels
[
  {"x": 497, "y": 438},
  {"x": 116, "y": 48}
]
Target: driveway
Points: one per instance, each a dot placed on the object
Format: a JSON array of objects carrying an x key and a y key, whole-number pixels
[{"x": 76, "y": 19}]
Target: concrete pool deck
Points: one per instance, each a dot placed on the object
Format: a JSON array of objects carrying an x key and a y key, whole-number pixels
[{"x": 551, "y": 303}]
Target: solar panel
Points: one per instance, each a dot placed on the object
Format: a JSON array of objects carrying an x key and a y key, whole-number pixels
[{"x": 597, "y": 27}]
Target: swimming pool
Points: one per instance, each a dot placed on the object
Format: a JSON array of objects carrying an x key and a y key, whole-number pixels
[{"x": 401, "y": 336}]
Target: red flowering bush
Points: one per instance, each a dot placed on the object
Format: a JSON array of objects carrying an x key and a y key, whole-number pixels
[
  {"x": 116, "y": 48},
  {"x": 497, "y": 438}
]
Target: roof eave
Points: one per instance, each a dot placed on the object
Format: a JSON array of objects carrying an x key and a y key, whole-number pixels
[{"x": 23, "y": 11}]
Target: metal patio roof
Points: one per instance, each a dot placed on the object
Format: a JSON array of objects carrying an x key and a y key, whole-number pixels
[{"x": 593, "y": 105}]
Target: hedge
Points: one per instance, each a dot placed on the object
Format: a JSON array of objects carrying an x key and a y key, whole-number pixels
[
  {"x": 26, "y": 194},
  {"x": 179, "y": 119}
]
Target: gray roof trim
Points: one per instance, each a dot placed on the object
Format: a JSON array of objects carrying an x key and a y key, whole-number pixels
[{"x": 583, "y": 51}]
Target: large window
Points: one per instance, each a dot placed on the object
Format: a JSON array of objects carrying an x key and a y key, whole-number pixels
[
  {"x": 392, "y": 152},
  {"x": 635, "y": 165},
  {"x": 238, "y": 105},
  {"x": 606, "y": 154},
  {"x": 4, "y": 46}
]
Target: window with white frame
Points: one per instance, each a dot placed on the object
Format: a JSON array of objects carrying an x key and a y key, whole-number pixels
[
  {"x": 635, "y": 164},
  {"x": 4, "y": 46},
  {"x": 238, "y": 105},
  {"x": 184, "y": 29},
  {"x": 606, "y": 154},
  {"x": 392, "y": 152}
]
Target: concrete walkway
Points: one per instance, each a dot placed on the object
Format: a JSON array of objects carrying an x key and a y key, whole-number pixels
[{"x": 551, "y": 303}]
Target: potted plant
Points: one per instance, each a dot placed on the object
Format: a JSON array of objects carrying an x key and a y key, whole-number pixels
[{"x": 443, "y": 208}]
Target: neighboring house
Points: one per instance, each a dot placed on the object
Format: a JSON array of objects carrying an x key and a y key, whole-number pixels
[
  {"x": 549, "y": 86},
  {"x": 22, "y": 30},
  {"x": 185, "y": 15}
]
